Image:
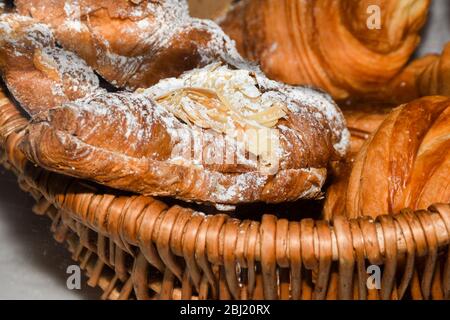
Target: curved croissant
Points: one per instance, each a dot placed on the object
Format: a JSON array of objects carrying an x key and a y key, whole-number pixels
[
  {"x": 328, "y": 43},
  {"x": 133, "y": 43},
  {"x": 257, "y": 140},
  {"x": 429, "y": 75},
  {"x": 406, "y": 163}
]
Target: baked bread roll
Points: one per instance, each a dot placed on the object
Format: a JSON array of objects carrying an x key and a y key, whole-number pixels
[
  {"x": 39, "y": 74},
  {"x": 328, "y": 43},
  {"x": 133, "y": 44},
  {"x": 215, "y": 135},
  {"x": 406, "y": 163}
]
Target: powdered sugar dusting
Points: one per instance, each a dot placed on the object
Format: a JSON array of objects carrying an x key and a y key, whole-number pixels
[
  {"x": 70, "y": 76},
  {"x": 75, "y": 73},
  {"x": 257, "y": 92}
]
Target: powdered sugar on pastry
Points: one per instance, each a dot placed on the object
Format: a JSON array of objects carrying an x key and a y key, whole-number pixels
[
  {"x": 40, "y": 74},
  {"x": 127, "y": 42},
  {"x": 126, "y": 140},
  {"x": 247, "y": 99}
]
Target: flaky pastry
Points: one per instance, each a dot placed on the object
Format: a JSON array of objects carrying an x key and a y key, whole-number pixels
[
  {"x": 214, "y": 135},
  {"x": 405, "y": 163},
  {"x": 134, "y": 44},
  {"x": 348, "y": 48}
]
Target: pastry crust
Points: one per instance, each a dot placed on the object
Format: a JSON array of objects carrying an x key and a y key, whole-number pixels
[
  {"x": 327, "y": 43},
  {"x": 426, "y": 76},
  {"x": 405, "y": 163},
  {"x": 362, "y": 120},
  {"x": 134, "y": 44},
  {"x": 38, "y": 73},
  {"x": 127, "y": 141}
]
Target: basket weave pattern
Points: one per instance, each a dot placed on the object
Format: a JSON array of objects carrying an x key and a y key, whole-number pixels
[{"x": 139, "y": 247}]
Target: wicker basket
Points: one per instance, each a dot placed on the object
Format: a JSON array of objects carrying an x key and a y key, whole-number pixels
[{"x": 140, "y": 247}]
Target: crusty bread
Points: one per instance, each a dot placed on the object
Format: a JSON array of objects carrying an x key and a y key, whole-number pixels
[
  {"x": 133, "y": 44},
  {"x": 127, "y": 140},
  {"x": 38, "y": 73},
  {"x": 405, "y": 163}
]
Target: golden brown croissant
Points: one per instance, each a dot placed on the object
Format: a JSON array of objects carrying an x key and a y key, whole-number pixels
[
  {"x": 406, "y": 163},
  {"x": 38, "y": 73},
  {"x": 362, "y": 120},
  {"x": 214, "y": 135},
  {"x": 429, "y": 75},
  {"x": 133, "y": 44},
  {"x": 328, "y": 43}
]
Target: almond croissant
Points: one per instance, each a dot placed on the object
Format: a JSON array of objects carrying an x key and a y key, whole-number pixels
[
  {"x": 38, "y": 73},
  {"x": 133, "y": 44},
  {"x": 328, "y": 43},
  {"x": 214, "y": 135},
  {"x": 406, "y": 163}
]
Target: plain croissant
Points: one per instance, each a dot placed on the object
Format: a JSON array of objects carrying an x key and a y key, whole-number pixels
[
  {"x": 137, "y": 141},
  {"x": 405, "y": 163},
  {"x": 327, "y": 43},
  {"x": 426, "y": 76}
]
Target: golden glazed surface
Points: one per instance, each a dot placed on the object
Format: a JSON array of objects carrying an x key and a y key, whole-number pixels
[
  {"x": 327, "y": 43},
  {"x": 405, "y": 163}
]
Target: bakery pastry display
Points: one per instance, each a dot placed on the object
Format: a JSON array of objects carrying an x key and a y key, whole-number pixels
[
  {"x": 328, "y": 43},
  {"x": 142, "y": 120},
  {"x": 281, "y": 139},
  {"x": 133, "y": 44},
  {"x": 39, "y": 74},
  {"x": 405, "y": 163}
]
